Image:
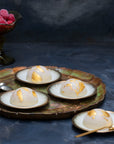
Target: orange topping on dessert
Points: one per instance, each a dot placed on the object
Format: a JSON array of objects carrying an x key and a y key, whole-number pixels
[
  {"x": 26, "y": 89},
  {"x": 34, "y": 94},
  {"x": 36, "y": 77},
  {"x": 40, "y": 69},
  {"x": 92, "y": 114},
  {"x": 79, "y": 87},
  {"x": 105, "y": 113},
  {"x": 19, "y": 94}
]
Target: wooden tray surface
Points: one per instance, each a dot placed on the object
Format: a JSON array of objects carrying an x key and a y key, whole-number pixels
[{"x": 56, "y": 109}]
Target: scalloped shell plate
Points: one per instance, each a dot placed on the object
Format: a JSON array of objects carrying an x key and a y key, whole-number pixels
[
  {"x": 5, "y": 100},
  {"x": 21, "y": 76},
  {"x": 55, "y": 91},
  {"x": 78, "y": 122}
]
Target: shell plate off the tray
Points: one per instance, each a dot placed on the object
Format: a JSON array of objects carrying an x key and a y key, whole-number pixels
[
  {"x": 57, "y": 108},
  {"x": 78, "y": 121}
]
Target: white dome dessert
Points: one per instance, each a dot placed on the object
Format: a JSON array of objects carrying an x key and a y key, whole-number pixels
[
  {"x": 24, "y": 97},
  {"x": 73, "y": 88},
  {"x": 97, "y": 118},
  {"x": 38, "y": 74}
]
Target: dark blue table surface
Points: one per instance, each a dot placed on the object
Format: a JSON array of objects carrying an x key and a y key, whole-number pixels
[
  {"x": 97, "y": 59},
  {"x": 41, "y": 38}
]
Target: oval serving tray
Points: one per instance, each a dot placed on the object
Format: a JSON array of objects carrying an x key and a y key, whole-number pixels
[{"x": 57, "y": 109}]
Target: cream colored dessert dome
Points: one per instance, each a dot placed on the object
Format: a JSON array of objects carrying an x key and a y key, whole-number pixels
[
  {"x": 97, "y": 118},
  {"x": 38, "y": 74},
  {"x": 73, "y": 88},
  {"x": 24, "y": 97}
]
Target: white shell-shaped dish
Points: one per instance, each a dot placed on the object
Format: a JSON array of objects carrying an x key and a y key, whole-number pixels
[
  {"x": 78, "y": 122},
  {"x": 55, "y": 90},
  {"x": 5, "y": 100},
  {"x": 21, "y": 76}
]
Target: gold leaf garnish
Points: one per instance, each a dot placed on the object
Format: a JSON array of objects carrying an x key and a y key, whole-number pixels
[
  {"x": 105, "y": 113},
  {"x": 26, "y": 89},
  {"x": 105, "y": 119},
  {"x": 73, "y": 80},
  {"x": 36, "y": 77},
  {"x": 69, "y": 85},
  {"x": 34, "y": 93},
  {"x": 92, "y": 114},
  {"x": 79, "y": 88},
  {"x": 19, "y": 94},
  {"x": 62, "y": 91},
  {"x": 40, "y": 69}
]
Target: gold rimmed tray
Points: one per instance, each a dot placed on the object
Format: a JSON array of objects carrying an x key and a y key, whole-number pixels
[{"x": 56, "y": 109}]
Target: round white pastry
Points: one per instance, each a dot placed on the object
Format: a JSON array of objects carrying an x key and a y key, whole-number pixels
[
  {"x": 24, "y": 97},
  {"x": 38, "y": 74},
  {"x": 73, "y": 88},
  {"x": 97, "y": 118}
]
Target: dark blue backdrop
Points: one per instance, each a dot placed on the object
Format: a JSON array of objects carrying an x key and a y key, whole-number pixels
[
  {"x": 62, "y": 20},
  {"x": 88, "y": 26}
]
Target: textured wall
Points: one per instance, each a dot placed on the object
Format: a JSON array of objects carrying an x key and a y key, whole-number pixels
[{"x": 63, "y": 20}]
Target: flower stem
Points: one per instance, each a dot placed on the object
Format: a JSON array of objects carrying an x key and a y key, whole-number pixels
[{"x": 1, "y": 43}]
